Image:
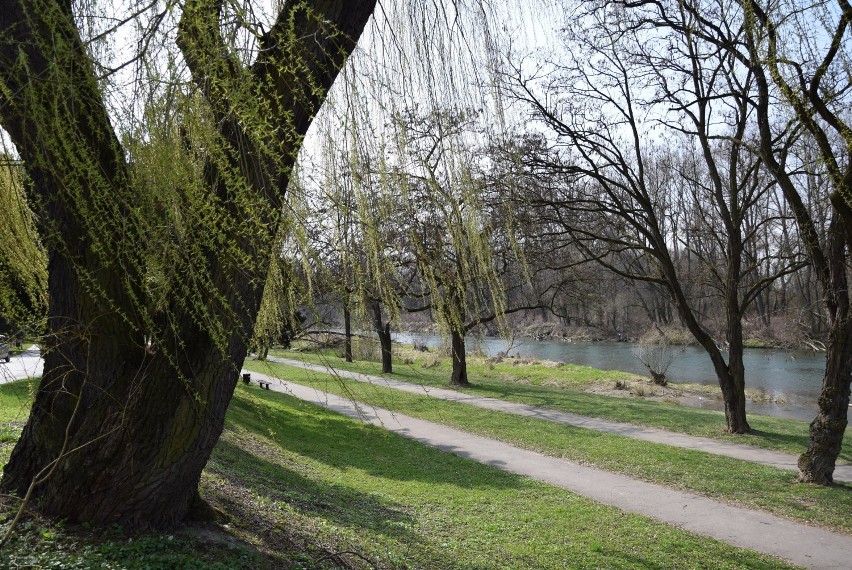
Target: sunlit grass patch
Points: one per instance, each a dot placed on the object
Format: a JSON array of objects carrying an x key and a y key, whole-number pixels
[
  {"x": 398, "y": 504},
  {"x": 738, "y": 482}
]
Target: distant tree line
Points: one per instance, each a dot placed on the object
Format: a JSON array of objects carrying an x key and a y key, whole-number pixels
[{"x": 679, "y": 169}]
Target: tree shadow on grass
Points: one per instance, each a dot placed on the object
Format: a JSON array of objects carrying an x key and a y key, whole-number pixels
[
  {"x": 635, "y": 411},
  {"x": 783, "y": 440},
  {"x": 267, "y": 458},
  {"x": 343, "y": 443},
  {"x": 283, "y": 487},
  {"x": 789, "y": 441}
]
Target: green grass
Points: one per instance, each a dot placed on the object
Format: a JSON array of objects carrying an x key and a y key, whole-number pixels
[
  {"x": 15, "y": 400},
  {"x": 41, "y": 544},
  {"x": 401, "y": 504},
  {"x": 307, "y": 488},
  {"x": 564, "y": 388},
  {"x": 533, "y": 372},
  {"x": 723, "y": 478}
]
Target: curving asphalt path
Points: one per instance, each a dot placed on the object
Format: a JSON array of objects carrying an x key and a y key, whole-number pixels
[
  {"x": 800, "y": 544},
  {"x": 806, "y": 546},
  {"x": 842, "y": 472}
]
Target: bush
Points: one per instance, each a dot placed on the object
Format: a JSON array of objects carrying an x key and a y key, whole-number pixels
[
  {"x": 431, "y": 361},
  {"x": 363, "y": 349},
  {"x": 656, "y": 353}
]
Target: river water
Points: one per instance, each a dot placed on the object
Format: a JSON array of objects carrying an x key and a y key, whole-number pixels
[{"x": 789, "y": 380}]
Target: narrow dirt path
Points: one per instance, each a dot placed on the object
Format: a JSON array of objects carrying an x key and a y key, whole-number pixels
[
  {"x": 780, "y": 460},
  {"x": 755, "y": 530}
]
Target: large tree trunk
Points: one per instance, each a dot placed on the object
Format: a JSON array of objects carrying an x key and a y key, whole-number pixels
[
  {"x": 383, "y": 330},
  {"x": 732, "y": 383},
  {"x": 730, "y": 373},
  {"x": 458, "y": 356},
  {"x": 120, "y": 428},
  {"x": 732, "y": 378},
  {"x": 136, "y": 442},
  {"x": 816, "y": 465}
]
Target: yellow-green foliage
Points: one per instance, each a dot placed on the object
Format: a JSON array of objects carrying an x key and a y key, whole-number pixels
[
  {"x": 184, "y": 221},
  {"x": 23, "y": 263}
]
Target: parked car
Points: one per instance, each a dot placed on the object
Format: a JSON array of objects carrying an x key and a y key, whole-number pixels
[{"x": 4, "y": 348}]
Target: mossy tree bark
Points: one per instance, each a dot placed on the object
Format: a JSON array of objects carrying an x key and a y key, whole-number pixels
[
  {"x": 817, "y": 464},
  {"x": 121, "y": 428}
]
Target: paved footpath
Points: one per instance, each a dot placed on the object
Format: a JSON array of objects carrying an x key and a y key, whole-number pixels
[
  {"x": 800, "y": 544},
  {"x": 842, "y": 472},
  {"x": 26, "y": 364}
]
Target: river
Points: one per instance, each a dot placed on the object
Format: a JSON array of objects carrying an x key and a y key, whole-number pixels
[{"x": 789, "y": 380}]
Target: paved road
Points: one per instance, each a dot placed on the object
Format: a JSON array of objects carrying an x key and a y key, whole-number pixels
[
  {"x": 842, "y": 472},
  {"x": 23, "y": 365},
  {"x": 800, "y": 544}
]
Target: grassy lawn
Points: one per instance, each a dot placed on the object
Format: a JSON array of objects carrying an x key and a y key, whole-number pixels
[
  {"x": 564, "y": 388},
  {"x": 737, "y": 482},
  {"x": 307, "y": 488},
  {"x": 15, "y": 400},
  {"x": 397, "y": 503}
]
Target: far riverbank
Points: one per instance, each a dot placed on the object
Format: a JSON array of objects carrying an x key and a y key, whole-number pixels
[{"x": 782, "y": 383}]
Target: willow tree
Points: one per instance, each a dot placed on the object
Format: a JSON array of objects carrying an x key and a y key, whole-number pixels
[
  {"x": 23, "y": 266},
  {"x": 397, "y": 101},
  {"x": 279, "y": 320},
  {"x": 357, "y": 233},
  {"x": 454, "y": 228},
  {"x": 154, "y": 279}
]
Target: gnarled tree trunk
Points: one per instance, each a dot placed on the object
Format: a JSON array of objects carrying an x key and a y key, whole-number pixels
[
  {"x": 817, "y": 464},
  {"x": 121, "y": 429}
]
